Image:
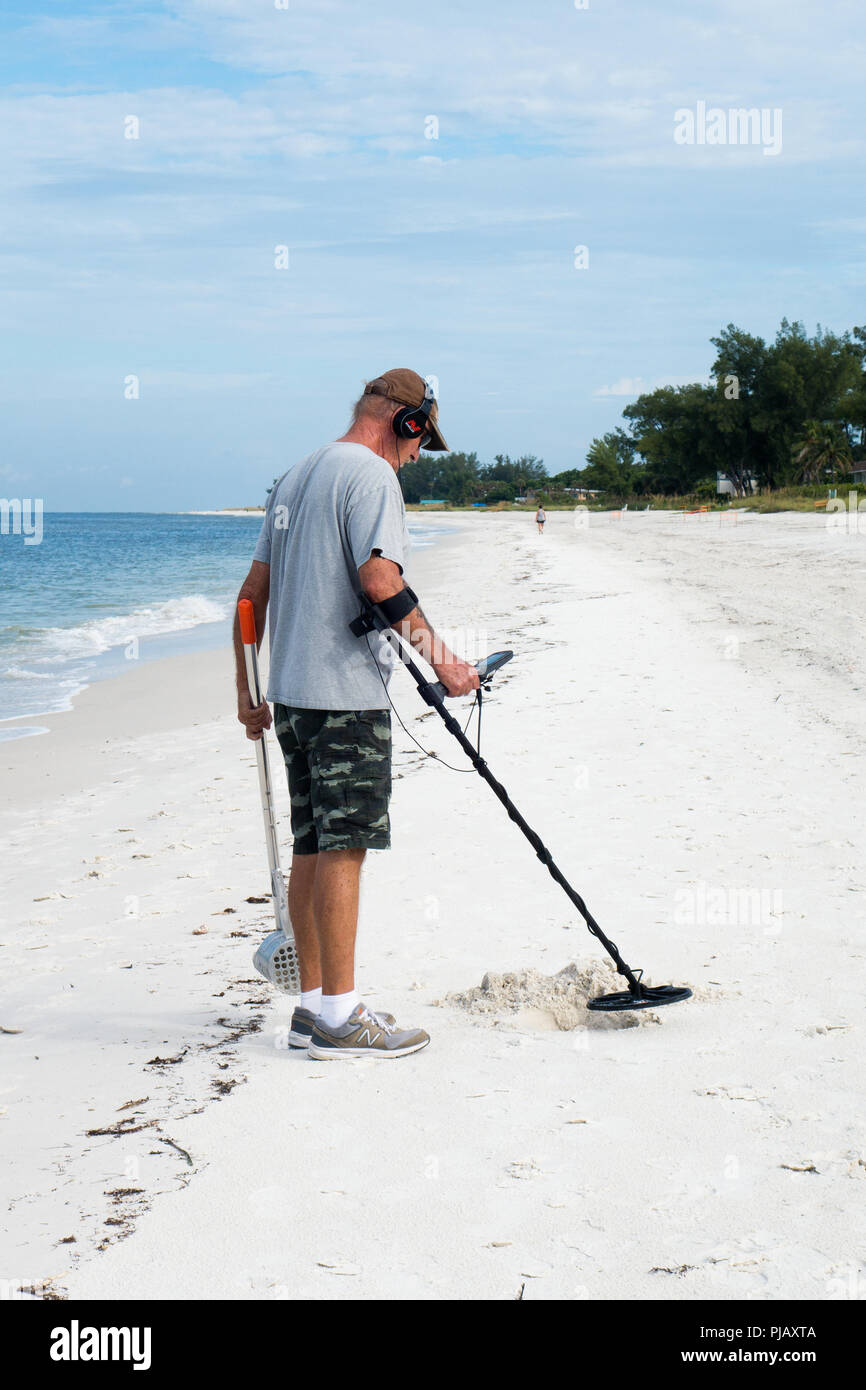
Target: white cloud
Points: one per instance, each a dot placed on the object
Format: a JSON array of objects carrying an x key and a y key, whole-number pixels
[
  {"x": 333, "y": 87},
  {"x": 638, "y": 386}
]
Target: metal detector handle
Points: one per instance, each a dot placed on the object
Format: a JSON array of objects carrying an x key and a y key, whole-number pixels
[
  {"x": 247, "y": 622},
  {"x": 438, "y": 688},
  {"x": 486, "y": 668}
]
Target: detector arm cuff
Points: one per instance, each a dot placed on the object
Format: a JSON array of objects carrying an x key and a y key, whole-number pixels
[{"x": 385, "y": 613}]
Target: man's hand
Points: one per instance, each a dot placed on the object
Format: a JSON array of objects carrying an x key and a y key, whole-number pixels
[
  {"x": 458, "y": 677},
  {"x": 256, "y": 718}
]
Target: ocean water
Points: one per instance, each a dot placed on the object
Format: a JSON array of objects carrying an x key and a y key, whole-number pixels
[{"x": 104, "y": 591}]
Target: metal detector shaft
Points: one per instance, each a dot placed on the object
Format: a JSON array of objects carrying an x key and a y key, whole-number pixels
[
  {"x": 278, "y": 886},
  {"x": 430, "y": 694}
]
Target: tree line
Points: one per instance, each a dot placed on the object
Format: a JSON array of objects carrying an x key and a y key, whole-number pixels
[
  {"x": 461, "y": 479},
  {"x": 782, "y": 413}
]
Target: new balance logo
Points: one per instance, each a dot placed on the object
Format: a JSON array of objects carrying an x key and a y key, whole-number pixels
[{"x": 364, "y": 1037}]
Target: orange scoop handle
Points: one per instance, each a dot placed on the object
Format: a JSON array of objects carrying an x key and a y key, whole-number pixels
[{"x": 247, "y": 618}]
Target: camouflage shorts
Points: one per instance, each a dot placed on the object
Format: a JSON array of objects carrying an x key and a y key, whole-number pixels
[{"x": 339, "y": 769}]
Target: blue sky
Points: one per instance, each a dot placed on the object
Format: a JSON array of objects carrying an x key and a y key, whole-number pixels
[{"x": 307, "y": 127}]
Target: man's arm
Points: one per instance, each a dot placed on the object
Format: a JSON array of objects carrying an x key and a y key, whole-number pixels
[
  {"x": 380, "y": 579},
  {"x": 256, "y": 587}
]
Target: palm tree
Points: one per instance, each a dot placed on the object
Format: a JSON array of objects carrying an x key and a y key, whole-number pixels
[{"x": 823, "y": 451}]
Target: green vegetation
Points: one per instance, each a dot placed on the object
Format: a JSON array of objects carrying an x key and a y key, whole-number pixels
[
  {"x": 794, "y": 411},
  {"x": 461, "y": 480},
  {"x": 789, "y": 416}
]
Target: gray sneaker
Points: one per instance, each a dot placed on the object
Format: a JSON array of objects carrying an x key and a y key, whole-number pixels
[
  {"x": 301, "y": 1027},
  {"x": 365, "y": 1034}
]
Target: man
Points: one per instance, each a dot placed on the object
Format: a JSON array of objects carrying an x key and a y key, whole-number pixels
[{"x": 336, "y": 526}]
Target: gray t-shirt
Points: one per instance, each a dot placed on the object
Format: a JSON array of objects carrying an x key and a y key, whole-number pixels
[{"x": 324, "y": 518}]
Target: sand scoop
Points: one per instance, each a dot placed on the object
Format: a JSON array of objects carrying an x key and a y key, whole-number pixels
[
  {"x": 277, "y": 957},
  {"x": 638, "y": 995}
]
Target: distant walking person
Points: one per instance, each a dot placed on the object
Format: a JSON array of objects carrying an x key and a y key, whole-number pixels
[{"x": 540, "y": 517}]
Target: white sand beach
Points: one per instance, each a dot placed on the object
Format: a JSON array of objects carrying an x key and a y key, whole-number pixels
[{"x": 683, "y": 725}]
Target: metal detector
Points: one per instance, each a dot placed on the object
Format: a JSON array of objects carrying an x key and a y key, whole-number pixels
[{"x": 638, "y": 995}]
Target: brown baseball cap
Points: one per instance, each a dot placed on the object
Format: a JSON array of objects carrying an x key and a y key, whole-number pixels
[{"x": 405, "y": 387}]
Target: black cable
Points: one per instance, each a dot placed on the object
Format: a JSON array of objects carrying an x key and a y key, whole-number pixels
[{"x": 427, "y": 752}]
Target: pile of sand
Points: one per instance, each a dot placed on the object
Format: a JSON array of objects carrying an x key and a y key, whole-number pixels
[{"x": 562, "y": 996}]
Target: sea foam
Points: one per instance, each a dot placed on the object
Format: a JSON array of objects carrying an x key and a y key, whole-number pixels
[{"x": 101, "y": 634}]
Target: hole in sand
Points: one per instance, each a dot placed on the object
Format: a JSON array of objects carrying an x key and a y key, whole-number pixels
[{"x": 527, "y": 999}]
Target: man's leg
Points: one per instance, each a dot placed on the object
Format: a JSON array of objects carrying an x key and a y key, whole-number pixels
[
  {"x": 335, "y": 897},
  {"x": 350, "y": 790},
  {"x": 301, "y": 882},
  {"x": 324, "y": 891}
]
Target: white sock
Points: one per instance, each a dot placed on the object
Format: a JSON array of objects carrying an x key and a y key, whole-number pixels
[
  {"x": 335, "y": 1008},
  {"x": 312, "y": 1000}
]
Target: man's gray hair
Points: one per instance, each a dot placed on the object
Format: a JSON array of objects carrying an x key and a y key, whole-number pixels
[{"x": 374, "y": 402}]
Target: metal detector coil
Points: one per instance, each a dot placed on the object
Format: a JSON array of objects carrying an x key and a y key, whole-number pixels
[{"x": 649, "y": 997}]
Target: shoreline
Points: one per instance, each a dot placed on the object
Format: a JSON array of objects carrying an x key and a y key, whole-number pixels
[
  {"x": 189, "y": 643},
  {"x": 119, "y": 707}
]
